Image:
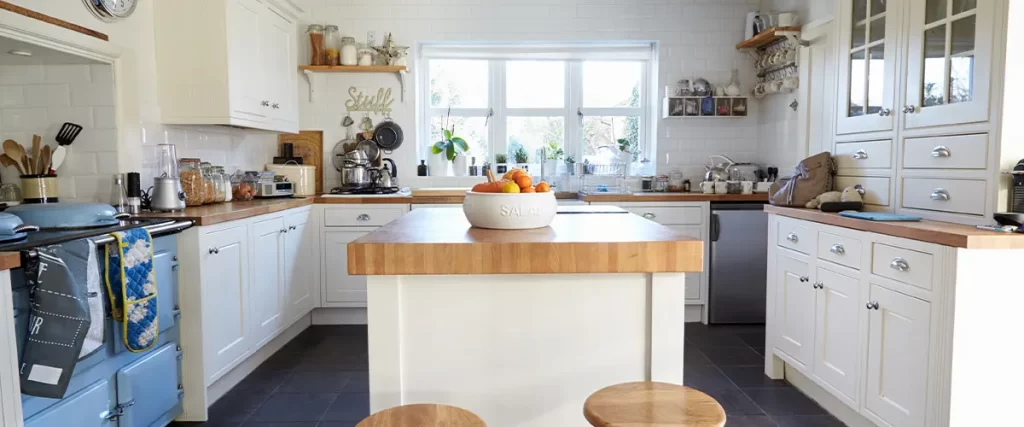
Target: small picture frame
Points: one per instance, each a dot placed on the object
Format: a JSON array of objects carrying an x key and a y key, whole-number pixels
[
  {"x": 739, "y": 107},
  {"x": 691, "y": 107},
  {"x": 675, "y": 107},
  {"x": 723, "y": 107},
  {"x": 707, "y": 106}
]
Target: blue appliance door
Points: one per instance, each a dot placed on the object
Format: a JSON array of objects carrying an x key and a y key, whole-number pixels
[
  {"x": 90, "y": 407},
  {"x": 148, "y": 388}
]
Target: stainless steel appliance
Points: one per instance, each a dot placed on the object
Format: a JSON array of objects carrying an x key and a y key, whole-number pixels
[
  {"x": 739, "y": 257},
  {"x": 167, "y": 193},
  {"x": 355, "y": 170}
]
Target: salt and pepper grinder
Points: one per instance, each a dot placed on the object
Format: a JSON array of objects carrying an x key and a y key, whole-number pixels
[
  {"x": 421, "y": 170},
  {"x": 134, "y": 193},
  {"x": 474, "y": 170}
]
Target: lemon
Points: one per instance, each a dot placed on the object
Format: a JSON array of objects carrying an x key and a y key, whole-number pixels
[{"x": 510, "y": 187}]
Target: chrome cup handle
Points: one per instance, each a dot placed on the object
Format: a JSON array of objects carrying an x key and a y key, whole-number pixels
[{"x": 25, "y": 227}]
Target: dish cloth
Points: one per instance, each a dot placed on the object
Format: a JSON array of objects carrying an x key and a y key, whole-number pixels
[
  {"x": 131, "y": 284},
  {"x": 82, "y": 262}
]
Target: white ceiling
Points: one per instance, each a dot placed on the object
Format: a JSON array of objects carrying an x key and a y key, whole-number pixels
[{"x": 40, "y": 55}]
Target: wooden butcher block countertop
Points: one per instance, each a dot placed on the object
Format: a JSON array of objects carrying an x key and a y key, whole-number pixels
[
  {"x": 674, "y": 197},
  {"x": 942, "y": 233},
  {"x": 418, "y": 197},
  {"x": 441, "y": 241},
  {"x": 231, "y": 211}
]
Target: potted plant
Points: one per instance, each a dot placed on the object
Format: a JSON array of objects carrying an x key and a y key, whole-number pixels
[
  {"x": 450, "y": 147},
  {"x": 628, "y": 152},
  {"x": 570, "y": 165},
  {"x": 521, "y": 157},
  {"x": 500, "y": 163},
  {"x": 554, "y": 154}
]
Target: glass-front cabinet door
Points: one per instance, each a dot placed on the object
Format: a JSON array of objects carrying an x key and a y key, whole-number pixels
[
  {"x": 869, "y": 36},
  {"x": 949, "y": 62}
]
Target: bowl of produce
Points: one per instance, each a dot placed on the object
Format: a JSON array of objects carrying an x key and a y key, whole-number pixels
[{"x": 511, "y": 203}]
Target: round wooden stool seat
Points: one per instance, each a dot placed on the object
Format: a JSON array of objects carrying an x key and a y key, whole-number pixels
[
  {"x": 652, "y": 404},
  {"x": 423, "y": 415}
]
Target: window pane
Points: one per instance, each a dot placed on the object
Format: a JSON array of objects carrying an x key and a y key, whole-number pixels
[
  {"x": 877, "y": 29},
  {"x": 860, "y": 10},
  {"x": 612, "y": 84},
  {"x": 963, "y": 6},
  {"x": 533, "y": 133},
  {"x": 535, "y": 84},
  {"x": 877, "y": 7},
  {"x": 858, "y": 79},
  {"x": 934, "y": 10},
  {"x": 857, "y": 39},
  {"x": 472, "y": 129},
  {"x": 933, "y": 90},
  {"x": 598, "y": 131},
  {"x": 961, "y": 70},
  {"x": 876, "y": 78},
  {"x": 458, "y": 83}
]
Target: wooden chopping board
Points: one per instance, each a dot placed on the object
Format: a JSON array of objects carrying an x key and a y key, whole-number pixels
[
  {"x": 440, "y": 192},
  {"x": 308, "y": 144}
]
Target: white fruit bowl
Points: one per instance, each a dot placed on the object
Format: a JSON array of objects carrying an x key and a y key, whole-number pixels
[{"x": 510, "y": 211}]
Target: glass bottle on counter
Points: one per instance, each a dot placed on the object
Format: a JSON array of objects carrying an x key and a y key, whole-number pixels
[
  {"x": 191, "y": 175},
  {"x": 223, "y": 184},
  {"x": 317, "y": 51},
  {"x": 332, "y": 44},
  {"x": 118, "y": 195},
  {"x": 209, "y": 187},
  {"x": 349, "y": 53},
  {"x": 421, "y": 170}
]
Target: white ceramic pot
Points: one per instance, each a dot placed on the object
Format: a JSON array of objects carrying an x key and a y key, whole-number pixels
[
  {"x": 459, "y": 165},
  {"x": 437, "y": 165},
  {"x": 513, "y": 211},
  {"x": 627, "y": 161}
]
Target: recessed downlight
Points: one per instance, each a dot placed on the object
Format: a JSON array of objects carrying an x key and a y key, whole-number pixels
[{"x": 20, "y": 52}]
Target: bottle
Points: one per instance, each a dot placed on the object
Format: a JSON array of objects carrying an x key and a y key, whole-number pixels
[
  {"x": 421, "y": 170},
  {"x": 686, "y": 186},
  {"x": 349, "y": 53},
  {"x": 317, "y": 55},
  {"x": 118, "y": 196},
  {"x": 474, "y": 170},
  {"x": 332, "y": 44}
]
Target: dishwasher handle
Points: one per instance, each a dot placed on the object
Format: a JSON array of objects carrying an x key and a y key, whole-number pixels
[{"x": 716, "y": 227}]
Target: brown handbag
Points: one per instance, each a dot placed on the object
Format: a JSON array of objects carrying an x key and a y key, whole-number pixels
[{"x": 813, "y": 176}]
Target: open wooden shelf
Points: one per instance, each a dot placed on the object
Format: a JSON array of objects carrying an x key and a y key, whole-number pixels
[
  {"x": 767, "y": 37},
  {"x": 353, "y": 68}
]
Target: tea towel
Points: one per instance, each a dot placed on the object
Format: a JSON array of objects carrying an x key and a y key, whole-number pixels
[{"x": 131, "y": 284}]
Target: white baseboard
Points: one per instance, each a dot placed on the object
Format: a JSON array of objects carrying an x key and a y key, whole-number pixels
[
  {"x": 339, "y": 316},
  {"x": 694, "y": 313},
  {"x": 831, "y": 404}
]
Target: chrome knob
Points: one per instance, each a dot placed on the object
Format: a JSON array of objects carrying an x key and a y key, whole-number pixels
[
  {"x": 940, "y": 194},
  {"x": 837, "y": 249},
  {"x": 910, "y": 109},
  {"x": 292, "y": 227},
  {"x": 941, "y": 151},
  {"x": 214, "y": 250},
  {"x": 860, "y": 155},
  {"x": 283, "y": 230},
  {"x": 649, "y": 215},
  {"x": 860, "y": 189},
  {"x": 804, "y": 279},
  {"x": 900, "y": 264},
  {"x": 276, "y": 106},
  {"x": 363, "y": 217},
  {"x": 792, "y": 237},
  {"x": 265, "y": 103},
  {"x": 884, "y": 112},
  {"x": 175, "y": 258},
  {"x": 872, "y": 305}
]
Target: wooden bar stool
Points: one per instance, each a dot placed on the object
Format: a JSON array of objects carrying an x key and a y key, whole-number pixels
[
  {"x": 652, "y": 404},
  {"x": 423, "y": 415}
]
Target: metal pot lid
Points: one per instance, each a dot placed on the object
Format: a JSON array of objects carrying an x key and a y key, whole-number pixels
[
  {"x": 68, "y": 215},
  {"x": 389, "y": 135}
]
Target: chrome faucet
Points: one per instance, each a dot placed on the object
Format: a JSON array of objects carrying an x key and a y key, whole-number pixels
[{"x": 543, "y": 160}]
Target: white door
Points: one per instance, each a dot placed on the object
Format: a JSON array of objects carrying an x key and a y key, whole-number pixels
[
  {"x": 342, "y": 290},
  {"x": 693, "y": 280},
  {"x": 268, "y": 296},
  {"x": 279, "y": 66},
  {"x": 869, "y": 34},
  {"x": 794, "y": 309},
  {"x": 898, "y": 329},
  {"x": 226, "y": 327},
  {"x": 246, "y": 76},
  {"x": 949, "y": 62},
  {"x": 837, "y": 337},
  {"x": 299, "y": 265}
]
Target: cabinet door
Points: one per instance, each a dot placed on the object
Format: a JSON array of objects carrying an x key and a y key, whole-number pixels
[
  {"x": 342, "y": 289},
  {"x": 836, "y": 333},
  {"x": 794, "y": 308},
  {"x": 246, "y": 76},
  {"x": 694, "y": 281},
  {"x": 226, "y": 327},
  {"x": 898, "y": 331},
  {"x": 298, "y": 265},
  {"x": 267, "y": 290},
  {"x": 869, "y": 37},
  {"x": 279, "y": 66},
  {"x": 949, "y": 64}
]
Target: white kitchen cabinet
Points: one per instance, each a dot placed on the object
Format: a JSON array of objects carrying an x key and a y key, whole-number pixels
[
  {"x": 224, "y": 269},
  {"x": 836, "y": 344},
  {"x": 341, "y": 289},
  {"x": 693, "y": 280},
  {"x": 869, "y": 36},
  {"x": 247, "y": 49},
  {"x": 897, "y": 354},
  {"x": 794, "y": 298},
  {"x": 266, "y": 289},
  {"x": 300, "y": 265}
]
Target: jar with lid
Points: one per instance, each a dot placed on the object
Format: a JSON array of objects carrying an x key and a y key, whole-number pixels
[
  {"x": 661, "y": 183},
  {"x": 209, "y": 187},
  {"x": 365, "y": 55},
  {"x": 675, "y": 181},
  {"x": 332, "y": 45},
  {"x": 243, "y": 186},
  {"x": 191, "y": 177},
  {"x": 221, "y": 184},
  {"x": 349, "y": 52},
  {"x": 317, "y": 50}
]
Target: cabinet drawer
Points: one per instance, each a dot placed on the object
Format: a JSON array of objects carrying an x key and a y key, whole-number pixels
[
  {"x": 965, "y": 196},
  {"x": 839, "y": 249},
  {"x": 864, "y": 155},
  {"x": 669, "y": 215},
  {"x": 796, "y": 235},
  {"x": 903, "y": 265},
  {"x": 949, "y": 152},
  {"x": 361, "y": 216},
  {"x": 876, "y": 189}
]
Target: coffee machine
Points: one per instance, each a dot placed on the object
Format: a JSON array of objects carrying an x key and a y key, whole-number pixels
[{"x": 167, "y": 193}]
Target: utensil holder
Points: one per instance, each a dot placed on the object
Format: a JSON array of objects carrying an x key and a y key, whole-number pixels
[{"x": 39, "y": 188}]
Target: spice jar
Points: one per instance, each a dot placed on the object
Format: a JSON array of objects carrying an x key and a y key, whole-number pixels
[
  {"x": 675, "y": 181},
  {"x": 228, "y": 190},
  {"x": 317, "y": 52},
  {"x": 221, "y": 185},
  {"x": 191, "y": 178},
  {"x": 209, "y": 187},
  {"x": 661, "y": 183},
  {"x": 332, "y": 45},
  {"x": 365, "y": 56},
  {"x": 348, "y": 51}
]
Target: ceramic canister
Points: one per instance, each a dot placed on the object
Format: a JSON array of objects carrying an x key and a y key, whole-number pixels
[{"x": 39, "y": 188}]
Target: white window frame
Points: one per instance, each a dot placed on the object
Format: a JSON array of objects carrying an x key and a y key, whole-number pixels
[{"x": 573, "y": 110}]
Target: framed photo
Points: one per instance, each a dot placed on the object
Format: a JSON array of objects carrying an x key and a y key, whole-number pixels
[
  {"x": 739, "y": 107},
  {"x": 675, "y": 107},
  {"x": 707, "y": 106},
  {"x": 691, "y": 106},
  {"x": 723, "y": 106}
]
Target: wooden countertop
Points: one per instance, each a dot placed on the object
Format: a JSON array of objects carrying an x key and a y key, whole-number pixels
[
  {"x": 415, "y": 199},
  {"x": 9, "y": 260},
  {"x": 675, "y": 197},
  {"x": 441, "y": 241},
  {"x": 942, "y": 233},
  {"x": 230, "y": 211}
]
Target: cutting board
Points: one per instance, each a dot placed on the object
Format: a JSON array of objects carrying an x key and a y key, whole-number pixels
[
  {"x": 308, "y": 144},
  {"x": 440, "y": 192}
]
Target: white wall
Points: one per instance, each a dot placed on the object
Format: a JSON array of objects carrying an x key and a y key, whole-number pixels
[{"x": 696, "y": 38}]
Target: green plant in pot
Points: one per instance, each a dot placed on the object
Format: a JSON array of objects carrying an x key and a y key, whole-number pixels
[
  {"x": 452, "y": 147},
  {"x": 501, "y": 163},
  {"x": 521, "y": 155}
]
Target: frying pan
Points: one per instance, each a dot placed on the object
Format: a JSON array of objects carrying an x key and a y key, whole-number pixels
[{"x": 389, "y": 135}]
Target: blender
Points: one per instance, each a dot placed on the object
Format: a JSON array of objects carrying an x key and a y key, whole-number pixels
[{"x": 167, "y": 193}]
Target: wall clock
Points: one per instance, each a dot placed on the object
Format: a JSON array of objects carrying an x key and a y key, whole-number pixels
[{"x": 111, "y": 10}]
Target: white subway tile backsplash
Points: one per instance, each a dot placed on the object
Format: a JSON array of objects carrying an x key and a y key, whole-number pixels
[
  {"x": 82, "y": 116},
  {"x": 101, "y": 73},
  {"x": 67, "y": 73},
  {"x": 12, "y": 96},
  {"x": 21, "y": 74},
  {"x": 97, "y": 140},
  {"x": 104, "y": 117},
  {"x": 24, "y": 119},
  {"x": 93, "y": 94}
]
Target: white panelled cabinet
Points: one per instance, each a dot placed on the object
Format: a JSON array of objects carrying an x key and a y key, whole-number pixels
[
  {"x": 794, "y": 299},
  {"x": 301, "y": 275},
  {"x": 224, "y": 266},
  {"x": 266, "y": 286},
  {"x": 341, "y": 289},
  {"x": 246, "y": 50}
]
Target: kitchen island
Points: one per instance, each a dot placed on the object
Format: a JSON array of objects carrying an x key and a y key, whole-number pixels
[{"x": 520, "y": 326}]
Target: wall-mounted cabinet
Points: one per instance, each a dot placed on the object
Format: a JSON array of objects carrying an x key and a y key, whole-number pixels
[{"x": 228, "y": 62}]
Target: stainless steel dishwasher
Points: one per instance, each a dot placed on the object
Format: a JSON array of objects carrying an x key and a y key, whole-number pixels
[{"x": 739, "y": 257}]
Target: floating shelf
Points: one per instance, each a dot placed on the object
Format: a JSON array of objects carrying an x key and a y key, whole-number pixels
[
  {"x": 308, "y": 70},
  {"x": 694, "y": 107},
  {"x": 770, "y": 36}
]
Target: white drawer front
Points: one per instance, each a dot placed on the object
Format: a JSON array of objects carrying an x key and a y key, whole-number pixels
[
  {"x": 903, "y": 265},
  {"x": 361, "y": 216},
  {"x": 839, "y": 249},
  {"x": 796, "y": 236},
  {"x": 965, "y": 196},
  {"x": 864, "y": 155},
  {"x": 668, "y": 215},
  {"x": 876, "y": 190},
  {"x": 949, "y": 152}
]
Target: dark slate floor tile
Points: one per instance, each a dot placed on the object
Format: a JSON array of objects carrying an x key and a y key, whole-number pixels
[
  {"x": 749, "y": 421},
  {"x": 784, "y": 401},
  {"x": 735, "y": 402},
  {"x": 733, "y": 356},
  {"x": 280, "y": 424},
  {"x": 692, "y": 356},
  {"x": 751, "y": 376},
  {"x": 753, "y": 339},
  {"x": 709, "y": 338},
  {"x": 358, "y": 382},
  {"x": 206, "y": 424},
  {"x": 760, "y": 350},
  {"x": 293, "y": 407},
  {"x": 236, "y": 405},
  {"x": 807, "y": 421},
  {"x": 349, "y": 407},
  {"x": 315, "y": 382},
  {"x": 706, "y": 378},
  {"x": 314, "y": 362}
]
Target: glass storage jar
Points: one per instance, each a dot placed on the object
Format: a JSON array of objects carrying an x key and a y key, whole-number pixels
[
  {"x": 317, "y": 50},
  {"x": 332, "y": 45},
  {"x": 349, "y": 54},
  {"x": 675, "y": 181},
  {"x": 209, "y": 186},
  {"x": 243, "y": 186},
  {"x": 221, "y": 186},
  {"x": 191, "y": 178}
]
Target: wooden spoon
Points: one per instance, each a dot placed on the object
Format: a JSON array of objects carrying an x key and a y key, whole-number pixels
[
  {"x": 8, "y": 162},
  {"x": 44, "y": 160},
  {"x": 37, "y": 145},
  {"x": 17, "y": 153}
]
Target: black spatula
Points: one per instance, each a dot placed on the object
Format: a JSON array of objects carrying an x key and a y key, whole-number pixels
[{"x": 65, "y": 136}]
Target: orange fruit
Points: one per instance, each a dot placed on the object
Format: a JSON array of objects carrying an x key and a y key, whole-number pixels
[
  {"x": 524, "y": 181},
  {"x": 482, "y": 187},
  {"x": 513, "y": 174},
  {"x": 529, "y": 189},
  {"x": 543, "y": 187},
  {"x": 509, "y": 187}
]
